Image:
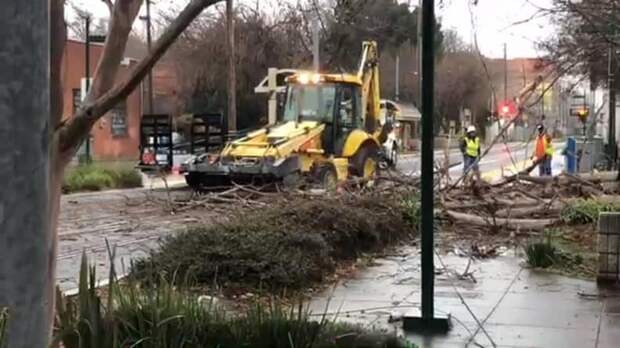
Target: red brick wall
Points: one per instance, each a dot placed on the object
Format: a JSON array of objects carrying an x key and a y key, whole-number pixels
[{"x": 105, "y": 146}]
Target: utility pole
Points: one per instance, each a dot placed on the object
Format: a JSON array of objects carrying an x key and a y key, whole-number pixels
[
  {"x": 315, "y": 44},
  {"x": 542, "y": 101},
  {"x": 505, "y": 72},
  {"x": 427, "y": 321},
  {"x": 612, "y": 66},
  {"x": 611, "y": 140},
  {"x": 25, "y": 238},
  {"x": 419, "y": 51},
  {"x": 87, "y": 76},
  {"x": 397, "y": 77},
  {"x": 149, "y": 43},
  {"x": 232, "y": 73}
]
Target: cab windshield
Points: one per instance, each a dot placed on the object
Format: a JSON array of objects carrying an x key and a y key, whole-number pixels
[{"x": 310, "y": 102}]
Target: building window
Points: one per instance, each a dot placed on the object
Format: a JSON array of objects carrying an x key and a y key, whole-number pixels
[
  {"x": 118, "y": 120},
  {"x": 77, "y": 99}
]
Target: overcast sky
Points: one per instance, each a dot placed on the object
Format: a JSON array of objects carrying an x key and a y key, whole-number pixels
[
  {"x": 493, "y": 19},
  {"x": 492, "y": 22}
]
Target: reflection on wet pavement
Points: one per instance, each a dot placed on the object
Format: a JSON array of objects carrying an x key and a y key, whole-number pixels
[{"x": 518, "y": 306}]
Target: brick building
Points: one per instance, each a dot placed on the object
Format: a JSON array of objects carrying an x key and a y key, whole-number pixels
[{"x": 116, "y": 136}]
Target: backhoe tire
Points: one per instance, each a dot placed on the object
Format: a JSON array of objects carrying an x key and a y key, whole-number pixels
[
  {"x": 292, "y": 181},
  {"x": 365, "y": 162},
  {"x": 394, "y": 157},
  {"x": 327, "y": 177},
  {"x": 194, "y": 180}
]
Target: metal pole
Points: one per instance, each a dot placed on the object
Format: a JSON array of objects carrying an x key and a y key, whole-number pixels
[
  {"x": 505, "y": 72},
  {"x": 397, "y": 78},
  {"x": 611, "y": 141},
  {"x": 542, "y": 101},
  {"x": 232, "y": 73},
  {"x": 149, "y": 44},
  {"x": 87, "y": 82},
  {"x": 428, "y": 68},
  {"x": 315, "y": 45},
  {"x": 419, "y": 51}
]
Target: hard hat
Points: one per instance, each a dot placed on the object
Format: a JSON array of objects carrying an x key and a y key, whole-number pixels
[
  {"x": 540, "y": 127},
  {"x": 471, "y": 129}
]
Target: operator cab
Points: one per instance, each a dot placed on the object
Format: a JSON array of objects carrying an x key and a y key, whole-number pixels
[{"x": 313, "y": 97}]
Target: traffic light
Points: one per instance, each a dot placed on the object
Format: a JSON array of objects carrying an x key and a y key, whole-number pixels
[
  {"x": 507, "y": 109},
  {"x": 583, "y": 114}
]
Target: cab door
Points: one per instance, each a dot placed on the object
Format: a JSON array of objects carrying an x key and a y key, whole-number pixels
[{"x": 348, "y": 114}]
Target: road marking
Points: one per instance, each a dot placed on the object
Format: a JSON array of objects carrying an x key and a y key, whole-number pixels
[
  {"x": 505, "y": 170},
  {"x": 512, "y": 169}
]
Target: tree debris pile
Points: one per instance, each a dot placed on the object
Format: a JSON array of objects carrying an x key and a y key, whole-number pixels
[
  {"x": 290, "y": 243},
  {"x": 524, "y": 203}
]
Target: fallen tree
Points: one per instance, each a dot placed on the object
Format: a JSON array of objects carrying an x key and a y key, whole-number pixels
[
  {"x": 513, "y": 224},
  {"x": 526, "y": 203}
]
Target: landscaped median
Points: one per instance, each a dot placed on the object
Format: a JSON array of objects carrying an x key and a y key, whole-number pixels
[
  {"x": 294, "y": 242},
  {"x": 291, "y": 244},
  {"x": 166, "y": 316}
]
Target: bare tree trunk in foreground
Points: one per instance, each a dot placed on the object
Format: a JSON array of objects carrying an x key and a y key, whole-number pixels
[
  {"x": 25, "y": 243},
  {"x": 37, "y": 145}
]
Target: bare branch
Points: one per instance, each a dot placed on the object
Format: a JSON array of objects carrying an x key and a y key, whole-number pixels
[
  {"x": 110, "y": 5},
  {"x": 76, "y": 129}
]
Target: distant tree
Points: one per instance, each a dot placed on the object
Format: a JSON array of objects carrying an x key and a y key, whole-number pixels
[
  {"x": 461, "y": 83},
  {"x": 349, "y": 22},
  {"x": 262, "y": 42},
  {"x": 586, "y": 31},
  {"x": 453, "y": 43}
]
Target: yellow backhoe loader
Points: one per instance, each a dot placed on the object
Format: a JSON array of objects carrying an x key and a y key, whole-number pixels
[{"x": 331, "y": 128}]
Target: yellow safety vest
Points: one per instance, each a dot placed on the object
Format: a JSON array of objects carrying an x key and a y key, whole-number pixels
[
  {"x": 473, "y": 146},
  {"x": 549, "y": 147}
]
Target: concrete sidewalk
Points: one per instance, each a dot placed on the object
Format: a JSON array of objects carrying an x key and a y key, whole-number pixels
[{"x": 519, "y": 307}]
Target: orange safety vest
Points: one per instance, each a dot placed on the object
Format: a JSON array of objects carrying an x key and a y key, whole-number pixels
[{"x": 543, "y": 146}]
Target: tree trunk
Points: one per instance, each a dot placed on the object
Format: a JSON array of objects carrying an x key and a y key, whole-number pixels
[
  {"x": 511, "y": 224},
  {"x": 24, "y": 171},
  {"x": 39, "y": 146}
]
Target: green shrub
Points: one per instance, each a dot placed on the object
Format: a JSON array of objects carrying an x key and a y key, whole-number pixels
[
  {"x": 127, "y": 178},
  {"x": 166, "y": 317},
  {"x": 586, "y": 211},
  {"x": 541, "y": 254},
  {"x": 412, "y": 210},
  {"x": 95, "y": 178},
  {"x": 287, "y": 245}
]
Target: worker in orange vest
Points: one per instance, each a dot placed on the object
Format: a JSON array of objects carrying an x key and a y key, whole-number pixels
[{"x": 544, "y": 151}]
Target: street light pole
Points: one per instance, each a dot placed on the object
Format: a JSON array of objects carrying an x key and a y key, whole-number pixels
[
  {"x": 428, "y": 69},
  {"x": 427, "y": 322},
  {"x": 87, "y": 82},
  {"x": 232, "y": 72},
  {"x": 611, "y": 140},
  {"x": 505, "y": 72},
  {"x": 149, "y": 43},
  {"x": 419, "y": 52}
]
